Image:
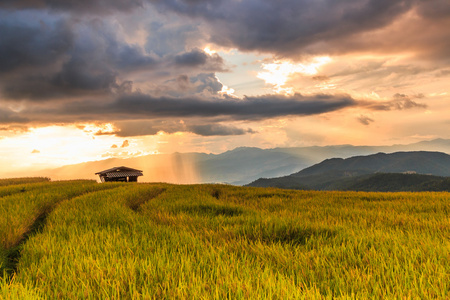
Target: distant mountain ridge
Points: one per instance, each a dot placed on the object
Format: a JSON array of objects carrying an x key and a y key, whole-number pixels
[
  {"x": 422, "y": 162},
  {"x": 239, "y": 166},
  {"x": 341, "y": 174}
]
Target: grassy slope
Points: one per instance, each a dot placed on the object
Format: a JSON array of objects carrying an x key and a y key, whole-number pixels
[{"x": 213, "y": 241}]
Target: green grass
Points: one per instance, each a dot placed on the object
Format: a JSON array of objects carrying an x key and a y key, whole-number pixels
[
  {"x": 160, "y": 241},
  {"x": 12, "y": 181}
]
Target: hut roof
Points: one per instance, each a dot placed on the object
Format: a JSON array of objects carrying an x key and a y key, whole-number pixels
[{"x": 120, "y": 172}]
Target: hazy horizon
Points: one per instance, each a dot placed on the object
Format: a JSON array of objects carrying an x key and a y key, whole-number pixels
[{"x": 237, "y": 166}]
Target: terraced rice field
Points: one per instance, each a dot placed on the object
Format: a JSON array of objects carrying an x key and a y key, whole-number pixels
[{"x": 84, "y": 240}]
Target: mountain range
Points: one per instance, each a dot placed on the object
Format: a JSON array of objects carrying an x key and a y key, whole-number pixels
[
  {"x": 239, "y": 166},
  {"x": 377, "y": 172}
]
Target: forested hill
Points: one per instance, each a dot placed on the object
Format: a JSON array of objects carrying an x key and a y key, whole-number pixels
[{"x": 353, "y": 173}]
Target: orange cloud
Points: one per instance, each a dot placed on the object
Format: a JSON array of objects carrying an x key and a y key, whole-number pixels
[{"x": 125, "y": 144}]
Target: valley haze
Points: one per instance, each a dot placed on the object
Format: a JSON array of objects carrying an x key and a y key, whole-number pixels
[{"x": 239, "y": 166}]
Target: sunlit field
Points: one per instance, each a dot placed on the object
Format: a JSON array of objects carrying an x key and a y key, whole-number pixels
[{"x": 84, "y": 240}]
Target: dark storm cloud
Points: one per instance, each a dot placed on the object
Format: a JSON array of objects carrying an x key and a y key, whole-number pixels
[
  {"x": 44, "y": 56},
  {"x": 286, "y": 26},
  {"x": 87, "y": 6},
  {"x": 297, "y": 28},
  {"x": 217, "y": 130},
  {"x": 170, "y": 39},
  {"x": 69, "y": 52},
  {"x": 197, "y": 57},
  {"x": 261, "y": 107},
  {"x": 27, "y": 45},
  {"x": 193, "y": 58},
  {"x": 141, "y": 106},
  {"x": 139, "y": 114},
  {"x": 8, "y": 116},
  {"x": 139, "y": 128},
  {"x": 146, "y": 127},
  {"x": 152, "y": 127},
  {"x": 47, "y": 57},
  {"x": 202, "y": 84},
  {"x": 435, "y": 9}
]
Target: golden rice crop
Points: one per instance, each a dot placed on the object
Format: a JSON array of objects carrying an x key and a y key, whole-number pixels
[{"x": 161, "y": 241}]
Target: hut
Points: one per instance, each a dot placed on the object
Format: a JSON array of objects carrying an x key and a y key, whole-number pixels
[{"x": 122, "y": 174}]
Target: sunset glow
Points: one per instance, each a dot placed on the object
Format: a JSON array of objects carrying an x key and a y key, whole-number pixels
[
  {"x": 279, "y": 72},
  {"x": 105, "y": 80}
]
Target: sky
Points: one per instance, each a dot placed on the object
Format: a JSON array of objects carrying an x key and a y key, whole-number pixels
[{"x": 94, "y": 79}]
